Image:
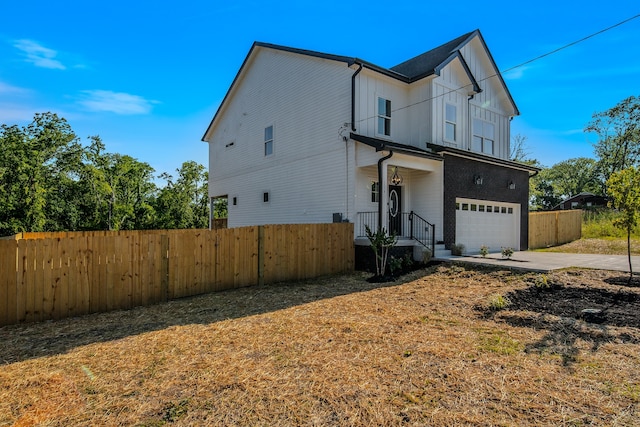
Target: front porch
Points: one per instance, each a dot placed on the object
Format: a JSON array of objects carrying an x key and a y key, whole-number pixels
[{"x": 410, "y": 228}]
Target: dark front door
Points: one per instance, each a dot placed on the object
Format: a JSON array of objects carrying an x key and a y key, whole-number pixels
[{"x": 395, "y": 210}]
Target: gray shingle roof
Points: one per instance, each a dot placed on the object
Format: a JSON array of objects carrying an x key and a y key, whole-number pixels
[{"x": 425, "y": 64}]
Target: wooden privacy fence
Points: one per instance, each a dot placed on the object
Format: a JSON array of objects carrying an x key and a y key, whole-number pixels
[
  {"x": 59, "y": 275},
  {"x": 554, "y": 228}
]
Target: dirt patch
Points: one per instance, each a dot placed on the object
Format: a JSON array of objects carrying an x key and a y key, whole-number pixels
[{"x": 568, "y": 294}]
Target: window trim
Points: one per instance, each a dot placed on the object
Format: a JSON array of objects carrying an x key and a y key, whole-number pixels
[{"x": 383, "y": 117}]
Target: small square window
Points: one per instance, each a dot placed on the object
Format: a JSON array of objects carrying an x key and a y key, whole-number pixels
[
  {"x": 481, "y": 208},
  {"x": 504, "y": 210},
  {"x": 510, "y": 211},
  {"x": 489, "y": 208},
  {"x": 265, "y": 197},
  {"x": 457, "y": 206},
  {"x": 465, "y": 206},
  {"x": 474, "y": 208}
]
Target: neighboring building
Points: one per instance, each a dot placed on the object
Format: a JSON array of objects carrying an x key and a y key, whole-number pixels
[
  {"x": 307, "y": 137},
  {"x": 582, "y": 200}
]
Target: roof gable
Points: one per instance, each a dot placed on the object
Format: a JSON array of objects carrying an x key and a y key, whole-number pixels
[{"x": 427, "y": 63}]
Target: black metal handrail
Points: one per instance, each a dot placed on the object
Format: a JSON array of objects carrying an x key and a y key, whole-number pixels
[
  {"x": 411, "y": 225},
  {"x": 423, "y": 231}
]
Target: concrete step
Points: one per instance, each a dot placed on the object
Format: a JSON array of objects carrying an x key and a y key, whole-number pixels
[{"x": 441, "y": 252}]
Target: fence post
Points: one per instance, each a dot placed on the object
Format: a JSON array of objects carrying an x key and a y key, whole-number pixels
[
  {"x": 164, "y": 262},
  {"x": 260, "y": 255}
]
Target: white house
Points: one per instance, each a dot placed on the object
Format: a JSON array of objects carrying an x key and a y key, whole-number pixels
[{"x": 307, "y": 137}]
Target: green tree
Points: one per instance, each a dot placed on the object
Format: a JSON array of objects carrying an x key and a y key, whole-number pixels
[
  {"x": 618, "y": 131},
  {"x": 38, "y": 164},
  {"x": 624, "y": 188},
  {"x": 574, "y": 176},
  {"x": 183, "y": 202}
]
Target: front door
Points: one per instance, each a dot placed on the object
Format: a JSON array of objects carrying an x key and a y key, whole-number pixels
[{"x": 395, "y": 210}]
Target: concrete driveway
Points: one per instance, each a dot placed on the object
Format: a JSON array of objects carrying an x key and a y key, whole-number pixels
[{"x": 547, "y": 261}]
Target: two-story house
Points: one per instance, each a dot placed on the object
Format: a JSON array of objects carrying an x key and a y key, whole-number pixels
[{"x": 421, "y": 148}]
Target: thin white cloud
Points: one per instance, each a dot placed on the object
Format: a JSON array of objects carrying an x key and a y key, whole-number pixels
[
  {"x": 39, "y": 55},
  {"x": 7, "y": 88},
  {"x": 115, "y": 102}
]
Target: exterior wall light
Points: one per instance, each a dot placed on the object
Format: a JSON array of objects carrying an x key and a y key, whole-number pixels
[
  {"x": 396, "y": 178},
  {"x": 477, "y": 180},
  {"x": 511, "y": 185}
]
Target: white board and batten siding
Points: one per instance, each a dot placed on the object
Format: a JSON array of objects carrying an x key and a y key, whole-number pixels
[
  {"x": 453, "y": 87},
  {"x": 370, "y": 86},
  {"x": 305, "y": 176}
]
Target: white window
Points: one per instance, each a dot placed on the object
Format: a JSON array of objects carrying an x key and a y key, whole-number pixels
[
  {"x": 375, "y": 192},
  {"x": 268, "y": 140},
  {"x": 450, "y": 123},
  {"x": 483, "y": 137},
  {"x": 384, "y": 116}
]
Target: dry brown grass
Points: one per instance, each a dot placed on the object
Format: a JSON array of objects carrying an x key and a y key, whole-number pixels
[
  {"x": 334, "y": 351},
  {"x": 611, "y": 246}
]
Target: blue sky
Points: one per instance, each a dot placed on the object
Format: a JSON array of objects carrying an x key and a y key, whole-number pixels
[{"x": 148, "y": 77}]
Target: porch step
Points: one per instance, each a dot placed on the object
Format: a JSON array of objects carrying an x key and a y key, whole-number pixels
[{"x": 441, "y": 252}]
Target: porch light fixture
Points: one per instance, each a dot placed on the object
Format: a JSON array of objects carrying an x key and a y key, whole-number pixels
[
  {"x": 511, "y": 185},
  {"x": 477, "y": 180},
  {"x": 396, "y": 178}
]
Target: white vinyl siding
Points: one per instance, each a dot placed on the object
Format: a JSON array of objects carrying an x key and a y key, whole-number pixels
[{"x": 306, "y": 175}]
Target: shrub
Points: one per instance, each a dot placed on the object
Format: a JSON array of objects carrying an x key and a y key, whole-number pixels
[
  {"x": 498, "y": 302},
  {"x": 484, "y": 250},
  {"x": 507, "y": 252},
  {"x": 457, "y": 249}
]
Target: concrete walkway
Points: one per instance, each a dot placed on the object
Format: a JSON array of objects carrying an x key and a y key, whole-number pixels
[{"x": 548, "y": 261}]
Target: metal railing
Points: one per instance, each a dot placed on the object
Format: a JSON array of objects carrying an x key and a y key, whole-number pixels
[{"x": 409, "y": 225}]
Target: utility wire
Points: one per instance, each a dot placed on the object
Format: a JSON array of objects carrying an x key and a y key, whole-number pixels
[
  {"x": 571, "y": 44},
  {"x": 517, "y": 66}
]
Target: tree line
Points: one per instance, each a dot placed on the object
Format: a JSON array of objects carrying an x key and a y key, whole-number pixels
[
  {"x": 51, "y": 181},
  {"x": 617, "y": 149}
]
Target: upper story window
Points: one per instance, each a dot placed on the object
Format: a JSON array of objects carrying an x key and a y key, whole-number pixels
[
  {"x": 384, "y": 117},
  {"x": 268, "y": 140},
  {"x": 451, "y": 123},
  {"x": 483, "y": 137}
]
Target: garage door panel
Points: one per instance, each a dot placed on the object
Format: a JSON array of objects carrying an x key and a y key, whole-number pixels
[{"x": 490, "y": 223}]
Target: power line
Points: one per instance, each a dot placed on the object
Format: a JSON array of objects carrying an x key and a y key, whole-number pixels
[
  {"x": 571, "y": 44},
  {"x": 516, "y": 66}
]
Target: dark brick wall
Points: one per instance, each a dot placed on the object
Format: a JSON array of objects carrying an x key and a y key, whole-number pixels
[{"x": 458, "y": 182}]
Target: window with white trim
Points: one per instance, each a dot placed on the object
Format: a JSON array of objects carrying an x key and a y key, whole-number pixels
[
  {"x": 450, "y": 122},
  {"x": 384, "y": 117},
  {"x": 375, "y": 192},
  {"x": 268, "y": 140},
  {"x": 483, "y": 137}
]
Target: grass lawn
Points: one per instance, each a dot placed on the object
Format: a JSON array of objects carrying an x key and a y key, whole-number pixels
[
  {"x": 431, "y": 349},
  {"x": 608, "y": 246}
]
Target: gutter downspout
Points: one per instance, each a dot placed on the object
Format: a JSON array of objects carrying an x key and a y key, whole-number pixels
[
  {"x": 353, "y": 96},
  {"x": 382, "y": 159}
]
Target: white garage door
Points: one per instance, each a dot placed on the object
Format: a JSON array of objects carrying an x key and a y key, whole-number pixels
[{"x": 484, "y": 222}]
